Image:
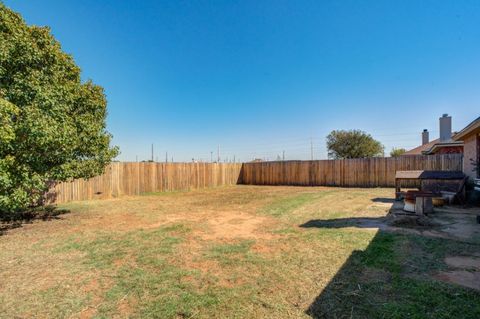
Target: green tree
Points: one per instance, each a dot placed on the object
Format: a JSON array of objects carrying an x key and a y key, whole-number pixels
[
  {"x": 397, "y": 152},
  {"x": 52, "y": 124},
  {"x": 352, "y": 144}
]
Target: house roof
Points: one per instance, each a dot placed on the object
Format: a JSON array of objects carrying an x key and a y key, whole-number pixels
[
  {"x": 475, "y": 124},
  {"x": 456, "y": 140},
  {"x": 422, "y": 148},
  {"x": 443, "y": 144},
  {"x": 429, "y": 175},
  {"x": 432, "y": 146}
]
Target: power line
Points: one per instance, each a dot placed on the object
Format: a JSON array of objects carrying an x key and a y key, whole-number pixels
[
  {"x": 302, "y": 141},
  {"x": 297, "y": 146}
]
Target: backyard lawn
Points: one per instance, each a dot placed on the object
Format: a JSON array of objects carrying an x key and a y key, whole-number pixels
[{"x": 230, "y": 252}]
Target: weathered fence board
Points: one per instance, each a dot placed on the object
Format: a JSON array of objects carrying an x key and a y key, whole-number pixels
[
  {"x": 137, "y": 178},
  {"x": 368, "y": 172}
]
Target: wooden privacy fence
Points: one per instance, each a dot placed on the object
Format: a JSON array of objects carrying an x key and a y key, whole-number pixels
[
  {"x": 367, "y": 172},
  {"x": 137, "y": 178}
]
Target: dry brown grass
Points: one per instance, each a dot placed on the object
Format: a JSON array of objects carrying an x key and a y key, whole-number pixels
[{"x": 224, "y": 252}]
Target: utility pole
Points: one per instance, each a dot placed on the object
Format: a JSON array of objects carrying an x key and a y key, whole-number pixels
[
  {"x": 211, "y": 156},
  {"x": 283, "y": 155},
  {"x": 152, "y": 152},
  {"x": 166, "y": 157},
  {"x": 311, "y": 148},
  {"x": 218, "y": 153}
]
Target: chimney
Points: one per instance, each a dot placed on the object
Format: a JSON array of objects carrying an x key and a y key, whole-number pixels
[
  {"x": 425, "y": 137},
  {"x": 445, "y": 128}
]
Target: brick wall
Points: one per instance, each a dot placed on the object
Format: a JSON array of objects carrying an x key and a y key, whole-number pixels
[
  {"x": 450, "y": 150},
  {"x": 471, "y": 151}
]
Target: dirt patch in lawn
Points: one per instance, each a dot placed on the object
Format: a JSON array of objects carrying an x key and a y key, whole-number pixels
[
  {"x": 230, "y": 225},
  {"x": 460, "y": 277},
  {"x": 466, "y": 271},
  {"x": 125, "y": 307},
  {"x": 223, "y": 225},
  {"x": 206, "y": 215},
  {"x": 463, "y": 262}
]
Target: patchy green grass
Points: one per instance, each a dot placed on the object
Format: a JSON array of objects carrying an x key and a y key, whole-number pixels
[
  {"x": 387, "y": 281},
  {"x": 289, "y": 204},
  {"x": 233, "y": 252},
  {"x": 239, "y": 253}
]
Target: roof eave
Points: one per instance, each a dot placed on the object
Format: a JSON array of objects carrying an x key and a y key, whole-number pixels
[
  {"x": 467, "y": 130},
  {"x": 440, "y": 145}
]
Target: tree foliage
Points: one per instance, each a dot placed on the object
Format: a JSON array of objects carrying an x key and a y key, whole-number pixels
[
  {"x": 397, "y": 152},
  {"x": 52, "y": 124},
  {"x": 343, "y": 144}
]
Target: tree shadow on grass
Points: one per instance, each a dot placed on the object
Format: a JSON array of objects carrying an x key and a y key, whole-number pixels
[
  {"x": 392, "y": 278},
  {"x": 16, "y": 220}
]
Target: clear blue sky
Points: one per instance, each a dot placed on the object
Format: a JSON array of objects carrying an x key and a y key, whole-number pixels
[{"x": 259, "y": 77}]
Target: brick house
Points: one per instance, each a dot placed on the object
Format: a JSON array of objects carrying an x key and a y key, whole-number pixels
[
  {"x": 466, "y": 142},
  {"x": 470, "y": 136},
  {"x": 445, "y": 144}
]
